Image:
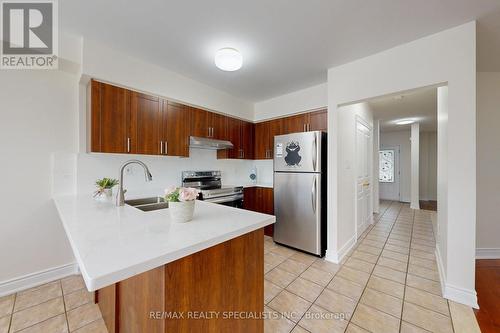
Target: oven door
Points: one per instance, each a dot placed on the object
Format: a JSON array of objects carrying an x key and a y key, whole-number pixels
[{"x": 228, "y": 200}]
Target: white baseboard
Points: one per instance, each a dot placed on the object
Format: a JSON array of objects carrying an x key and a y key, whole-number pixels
[
  {"x": 337, "y": 256},
  {"x": 488, "y": 253},
  {"x": 35, "y": 279},
  {"x": 454, "y": 293}
]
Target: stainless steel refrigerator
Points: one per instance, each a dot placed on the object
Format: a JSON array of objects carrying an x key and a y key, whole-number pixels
[{"x": 300, "y": 191}]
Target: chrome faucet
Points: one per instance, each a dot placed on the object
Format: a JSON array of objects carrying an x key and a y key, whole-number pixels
[{"x": 120, "y": 197}]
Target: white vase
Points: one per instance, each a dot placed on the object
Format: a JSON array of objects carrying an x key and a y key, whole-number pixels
[
  {"x": 105, "y": 195},
  {"x": 181, "y": 212}
]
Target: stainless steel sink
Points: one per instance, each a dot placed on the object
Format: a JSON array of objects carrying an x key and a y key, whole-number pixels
[{"x": 148, "y": 204}]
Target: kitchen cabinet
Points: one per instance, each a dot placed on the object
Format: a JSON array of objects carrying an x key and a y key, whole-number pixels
[
  {"x": 174, "y": 133},
  {"x": 264, "y": 138},
  {"x": 241, "y": 134},
  {"x": 318, "y": 120},
  {"x": 145, "y": 120},
  {"x": 306, "y": 122},
  {"x": 110, "y": 112},
  {"x": 297, "y": 123},
  {"x": 208, "y": 124},
  {"x": 260, "y": 199}
]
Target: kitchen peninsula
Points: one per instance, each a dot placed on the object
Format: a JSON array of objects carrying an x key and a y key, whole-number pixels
[{"x": 150, "y": 273}]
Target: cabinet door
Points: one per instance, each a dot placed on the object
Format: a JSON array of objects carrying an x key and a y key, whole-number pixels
[
  {"x": 110, "y": 118},
  {"x": 234, "y": 135},
  {"x": 318, "y": 120},
  {"x": 218, "y": 124},
  {"x": 145, "y": 120},
  {"x": 275, "y": 128},
  {"x": 175, "y": 129},
  {"x": 265, "y": 204},
  {"x": 247, "y": 138},
  {"x": 249, "y": 198},
  {"x": 261, "y": 140},
  {"x": 296, "y": 123},
  {"x": 200, "y": 120}
]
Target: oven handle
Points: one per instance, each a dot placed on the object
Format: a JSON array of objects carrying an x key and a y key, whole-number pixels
[{"x": 225, "y": 199}]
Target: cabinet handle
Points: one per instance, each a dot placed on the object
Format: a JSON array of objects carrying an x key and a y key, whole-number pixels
[
  {"x": 242, "y": 153},
  {"x": 161, "y": 147},
  {"x": 305, "y": 127},
  {"x": 212, "y": 132},
  {"x": 308, "y": 127},
  {"x": 128, "y": 145},
  {"x": 166, "y": 147}
]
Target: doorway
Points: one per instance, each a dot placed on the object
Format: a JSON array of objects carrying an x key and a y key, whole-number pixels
[{"x": 389, "y": 173}]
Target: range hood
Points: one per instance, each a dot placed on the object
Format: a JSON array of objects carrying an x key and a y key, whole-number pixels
[{"x": 206, "y": 143}]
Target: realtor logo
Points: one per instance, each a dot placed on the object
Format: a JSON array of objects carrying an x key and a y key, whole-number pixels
[{"x": 29, "y": 34}]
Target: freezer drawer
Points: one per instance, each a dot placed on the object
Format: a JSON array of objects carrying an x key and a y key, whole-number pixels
[{"x": 297, "y": 209}]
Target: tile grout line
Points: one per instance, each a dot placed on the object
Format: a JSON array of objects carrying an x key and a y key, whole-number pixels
[
  {"x": 64, "y": 304},
  {"x": 12, "y": 313},
  {"x": 407, "y": 269}
]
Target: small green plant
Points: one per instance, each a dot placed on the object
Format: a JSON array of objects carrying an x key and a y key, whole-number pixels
[{"x": 105, "y": 184}]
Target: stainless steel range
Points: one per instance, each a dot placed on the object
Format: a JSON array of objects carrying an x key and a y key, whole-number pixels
[{"x": 210, "y": 185}]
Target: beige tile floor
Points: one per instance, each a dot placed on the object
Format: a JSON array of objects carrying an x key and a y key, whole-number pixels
[
  {"x": 388, "y": 283},
  {"x": 56, "y": 307}
]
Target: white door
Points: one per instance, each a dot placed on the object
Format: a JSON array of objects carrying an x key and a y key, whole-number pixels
[
  {"x": 363, "y": 176},
  {"x": 388, "y": 176}
]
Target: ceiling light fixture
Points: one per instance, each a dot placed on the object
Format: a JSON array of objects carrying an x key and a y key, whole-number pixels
[
  {"x": 228, "y": 59},
  {"x": 404, "y": 122}
]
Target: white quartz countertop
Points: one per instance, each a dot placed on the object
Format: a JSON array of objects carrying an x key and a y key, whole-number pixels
[{"x": 114, "y": 243}]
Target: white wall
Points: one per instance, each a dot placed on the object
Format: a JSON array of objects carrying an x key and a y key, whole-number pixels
[
  {"x": 401, "y": 139},
  {"x": 488, "y": 164},
  {"x": 166, "y": 171},
  {"x": 104, "y": 63},
  {"x": 431, "y": 60},
  {"x": 38, "y": 118},
  {"x": 311, "y": 98},
  {"x": 346, "y": 232},
  {"x": 428, "y": 166}
]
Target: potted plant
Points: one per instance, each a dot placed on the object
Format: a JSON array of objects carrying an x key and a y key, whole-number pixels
[
  {"x": 105, "y": 188},
  {"x": 181, "y": 203}
]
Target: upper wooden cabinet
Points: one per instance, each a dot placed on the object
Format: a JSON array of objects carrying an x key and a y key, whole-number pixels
[
  {"x": 306, "y": 122},
  {"x": 110, "y": 113},
  {"x": 241, "y": 134},
  {"x": 318, "y": 120},
  {"x": 208, "y": 124},
  {"x": 264, "y": 137},
  {"x": 125, "y": 121},
  {"x": 294, "y": 124},
  {"x": 145, "y": 120},
  {"x": 174, "y": 133}
]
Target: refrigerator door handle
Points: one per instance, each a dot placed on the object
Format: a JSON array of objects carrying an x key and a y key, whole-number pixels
[
  {"x": 315, "y": 151},
  {"x": 313, "y": 195}
]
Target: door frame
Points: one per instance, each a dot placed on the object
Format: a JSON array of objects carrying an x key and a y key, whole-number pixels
[
  {"x": 361, "y": 120},
  {"x": 398, "y": 175}
]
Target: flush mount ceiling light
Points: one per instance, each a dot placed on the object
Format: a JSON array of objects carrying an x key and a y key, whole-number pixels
[
  {"x": 404, "y": 122},
  {"x": 228, "y": 59}
]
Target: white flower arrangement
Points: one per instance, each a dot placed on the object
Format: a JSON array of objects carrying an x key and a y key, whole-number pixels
[{"x": 180, "y": 194}]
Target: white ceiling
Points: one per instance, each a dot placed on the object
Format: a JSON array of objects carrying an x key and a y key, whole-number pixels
[
  {"x": 419, "y": 105},
  {"x": 286, "y": 45}
]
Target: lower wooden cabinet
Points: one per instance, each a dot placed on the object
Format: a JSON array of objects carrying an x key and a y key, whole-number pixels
[{"x": 260, "y": 199}]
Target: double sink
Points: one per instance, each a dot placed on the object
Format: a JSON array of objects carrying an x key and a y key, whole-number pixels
[{"x": 148, "y": 204}]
